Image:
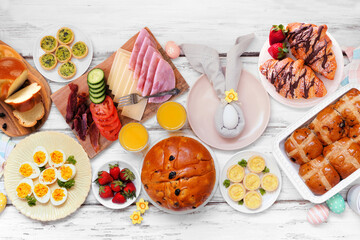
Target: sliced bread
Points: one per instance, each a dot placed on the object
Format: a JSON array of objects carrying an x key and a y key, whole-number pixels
[{"x": 30, "y": 118}]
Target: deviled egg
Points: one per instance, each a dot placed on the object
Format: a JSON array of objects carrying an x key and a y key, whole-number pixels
[
  {"x": 41, "y": 193},
  {"x": 29, "y": 170},
  {"x": 66, "y": 172},
  {"x": 24, "y": 188},
  {"x": 40, "y": 156},
  {"x": 48, "y": 176},
  {"x": 58, "y": 196},
  {"x": 57, "y": 158}
]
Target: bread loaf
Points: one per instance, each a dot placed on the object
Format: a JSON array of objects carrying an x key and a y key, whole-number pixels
[
  {"x": 13, "y": 73},
  {"x": 178, "y": 173}
]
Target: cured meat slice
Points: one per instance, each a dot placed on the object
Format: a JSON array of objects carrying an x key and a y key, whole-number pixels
[
  {"x": 145, "y": 67},
  {"x": 164, "y": 80},
  {"x": 139, "y": 41},
  {"x": 72, "y": 102},
  {"x": 150, "y": 74},
  {"x": 139, "y": 61},
  {"x": 94, "y": 136}
]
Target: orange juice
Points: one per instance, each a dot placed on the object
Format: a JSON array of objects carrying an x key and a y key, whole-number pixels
[
  {"x": 133, "y": 137},
  {"x": 171, "y": 116}
]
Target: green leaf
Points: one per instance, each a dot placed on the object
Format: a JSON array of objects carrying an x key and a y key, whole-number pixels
[
  {"x": 71, "y": 160},
  {"x": 42, "y": 168},
  {"x": 266, "y": 170},
  {"x": 31, "y": 200},
  {"x": 262, "y": 191},
  {"x": 241, "y": 202},
  {"x": 226, "y": 183},
  {"x": 243, "y": 163},
  {"x": 69, "y": 184}
]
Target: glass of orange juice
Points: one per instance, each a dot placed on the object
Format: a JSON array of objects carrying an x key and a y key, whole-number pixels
[
  {"x": 134, "y": 137},
  {"x": 171, "y": 116}
]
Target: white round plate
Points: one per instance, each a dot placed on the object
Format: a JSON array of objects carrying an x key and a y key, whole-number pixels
[
  {"x": 268, "y": 198},
  {"x": 24, "y": 152},
  {"x": 215, "y": 184},
  {"x": 331, "y": 85},
  {"x": 108, "y": 202},
  {"x": 82, "y": 65}
]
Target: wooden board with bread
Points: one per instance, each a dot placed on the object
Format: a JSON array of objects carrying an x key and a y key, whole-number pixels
[
  {"x": 25, "y": 94},
  {"x": 116, "y": 68}
]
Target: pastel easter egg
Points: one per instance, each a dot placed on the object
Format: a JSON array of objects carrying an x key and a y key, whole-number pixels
[
  {"x": 336, "y": 204},
  {"x": 318, "y": 214},
  {"x": 172, "y": 50},
  {"x": 2, "y": 202}
]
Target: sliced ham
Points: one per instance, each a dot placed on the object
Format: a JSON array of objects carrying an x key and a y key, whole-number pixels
[
  {"x": 145, "y": 67},
  {"x": 164, "y": 80},
  {"x": 139, "y": 41},
  {"x": 151, "y": 73},
  {"x": 140, "y": 58}
]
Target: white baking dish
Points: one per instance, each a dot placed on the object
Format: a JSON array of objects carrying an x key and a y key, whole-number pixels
[{"x": 291, "y": 169}]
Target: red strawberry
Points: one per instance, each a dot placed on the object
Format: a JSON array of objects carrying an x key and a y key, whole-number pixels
[
  {"x": 114, "y": 171},
  {"x": 116, "y": 186},
  {"x": 103, "y": 178},
  {"x": 278, "y": 50},
  {"x": 105, "y": 192},
  {"x": 129, "y": 190},
  {"x": 277, "y": 34},
  {"x": 126, "y": 175},
  {"x": 119, "y": 198}
]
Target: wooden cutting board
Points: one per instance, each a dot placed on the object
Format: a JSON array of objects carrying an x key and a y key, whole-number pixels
[
  {"x": 60, "y": 97},
  {"x": 14, "y": 129}
]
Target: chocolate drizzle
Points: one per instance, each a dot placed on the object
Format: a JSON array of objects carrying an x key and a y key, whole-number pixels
[
  {"x": 287, "y": 77},
  {"x": 315, "y": 49}
]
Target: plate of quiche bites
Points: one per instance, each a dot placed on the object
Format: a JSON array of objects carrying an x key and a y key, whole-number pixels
[
  {"x": 62, "y": 53},
  {"x": 301, "y": 64},
  {"x": 320, "y": 153}
]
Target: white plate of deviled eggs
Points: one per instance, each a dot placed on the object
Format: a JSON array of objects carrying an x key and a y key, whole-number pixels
[
  {"x": 250, "y": 182},
  {"x": 42, "y": 179}
]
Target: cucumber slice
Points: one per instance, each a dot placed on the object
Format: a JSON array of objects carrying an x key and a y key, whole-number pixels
[
  {"x": 96, "y": 86},
  {"x": 97, "y": 95},
  {"x": 97, "y": 90},
  {"x": 96, "y": 76},
  {"x": 97, "y": 100}
]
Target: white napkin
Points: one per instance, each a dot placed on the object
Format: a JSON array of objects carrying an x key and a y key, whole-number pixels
[{"x": 206, "y": 60}]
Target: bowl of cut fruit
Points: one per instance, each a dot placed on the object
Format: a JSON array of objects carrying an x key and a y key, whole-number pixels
[{"x": 116, "y": 184}]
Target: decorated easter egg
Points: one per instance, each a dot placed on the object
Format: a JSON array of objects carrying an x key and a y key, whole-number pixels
[
  {"x": 336, "y": 204},
  {"x": 318, "y": 214},
  {"x": 172, "y": 50},
  {"x": 2, "y": 202}
]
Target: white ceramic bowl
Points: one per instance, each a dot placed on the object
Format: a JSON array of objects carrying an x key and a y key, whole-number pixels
[
  {"x": 268, "y": 198},
  {"x": 217, "y": 169},
  {"x": 291, "y": 169},
  {"x": 108, "y": 202}
]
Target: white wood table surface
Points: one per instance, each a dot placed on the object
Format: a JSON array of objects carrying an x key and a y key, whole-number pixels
[{"x": 216, "y": 23}]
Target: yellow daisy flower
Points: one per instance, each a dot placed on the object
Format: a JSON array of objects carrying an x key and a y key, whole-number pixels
[
  {"x": 142, "y": 205},
  {"x": 136, "y": 218},
  {"x": 231, "y": 96}
]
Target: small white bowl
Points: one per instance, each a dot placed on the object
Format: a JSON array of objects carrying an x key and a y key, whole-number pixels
[{"x": 108, "y": 202}]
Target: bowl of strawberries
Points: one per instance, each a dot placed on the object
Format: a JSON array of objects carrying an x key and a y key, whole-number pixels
[{"x": 116, "y": 184}]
